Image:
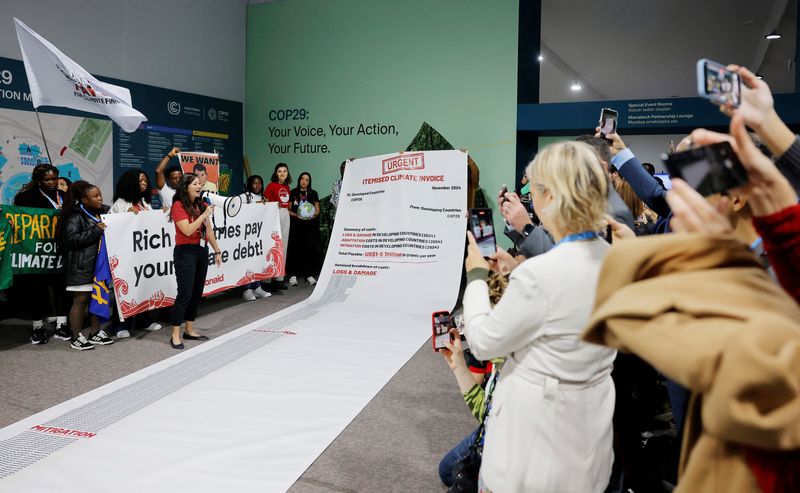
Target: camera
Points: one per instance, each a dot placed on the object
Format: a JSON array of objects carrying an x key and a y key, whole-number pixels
[{"x": 709, "y": 169}]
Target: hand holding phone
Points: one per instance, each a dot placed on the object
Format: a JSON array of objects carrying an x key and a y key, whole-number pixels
[
  {"x": 708, "y": 169},
  {"x": 482, "y": 228},
  {"x": 441, "y": 325},
  {"x": 501, "y": 195},
  {"x": 718, "y": 84},
  {"x": 608, "y": 122}
]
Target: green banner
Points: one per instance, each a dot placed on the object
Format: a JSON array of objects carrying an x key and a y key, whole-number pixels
[
  {"x": 6, "y": 232},
  {"x": 28, "y": 242}
]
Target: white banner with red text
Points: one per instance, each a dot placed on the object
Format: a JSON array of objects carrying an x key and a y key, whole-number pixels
[
  {"x": 256, "y": 406},
  {"x": 140, "y": 252}
]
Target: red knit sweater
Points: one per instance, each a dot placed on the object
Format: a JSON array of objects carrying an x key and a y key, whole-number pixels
[{"x": 781, "y": 235}]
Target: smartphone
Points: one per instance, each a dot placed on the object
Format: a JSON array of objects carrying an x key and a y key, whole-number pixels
[
  {"x": 441, "y": 323},
  {"x": 709, "y": 169},
  {"x": 480, "y": 223},
  {"x": 717, "y": 83},
  {"x": 458, "y": 324},
  {"x": 608, "y": 122}
]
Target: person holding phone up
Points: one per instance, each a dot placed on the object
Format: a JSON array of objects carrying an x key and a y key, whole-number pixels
[
  {"x": 192, "y": 226},
  {"x": 550, "y": 425}
]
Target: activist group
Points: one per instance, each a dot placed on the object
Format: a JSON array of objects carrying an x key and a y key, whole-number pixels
[{"x": 55, "y": 240}]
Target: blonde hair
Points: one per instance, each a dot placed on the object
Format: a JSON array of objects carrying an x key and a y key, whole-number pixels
[{"x": 572, "y": 173}]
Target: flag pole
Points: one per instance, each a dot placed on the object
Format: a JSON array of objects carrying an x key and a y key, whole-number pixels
[{"x": 44, "y": 139}]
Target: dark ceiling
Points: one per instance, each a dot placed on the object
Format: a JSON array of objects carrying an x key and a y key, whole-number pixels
[{"x": 633, "y": 49}]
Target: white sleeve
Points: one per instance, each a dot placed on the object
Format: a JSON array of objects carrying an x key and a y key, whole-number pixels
[
  {"x": 511, "y": 325},
  {"x": 166, "y": 195},
  {"x": 120, "y": 205}
]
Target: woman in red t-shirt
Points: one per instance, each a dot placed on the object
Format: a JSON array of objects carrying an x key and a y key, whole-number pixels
[
  {"x": 278, "y": 191},
  {"x": 192, "y": 225}
]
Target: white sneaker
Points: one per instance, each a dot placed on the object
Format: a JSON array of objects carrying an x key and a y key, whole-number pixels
[
  {"x": 293, "y": 281},
  {"x": 248, "y": 295},
  {"x": 123, "y": 334},
  {"x": 311, "y": 280},
  {"x": 260, "y": 293},
  {"x": 154, "y": 327}
]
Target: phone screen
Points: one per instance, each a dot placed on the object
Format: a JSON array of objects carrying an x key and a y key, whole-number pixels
[
  {"x": 480, "y": 223},
  {"x": 721, "y": 85},
  {"x": 441, "y": 330},
  {"x": 608, "y": 121}
]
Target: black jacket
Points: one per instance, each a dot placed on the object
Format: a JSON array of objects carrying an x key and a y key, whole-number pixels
[
  {"x": 80, "y": 239},
  {"x": 33, "y": 197}
]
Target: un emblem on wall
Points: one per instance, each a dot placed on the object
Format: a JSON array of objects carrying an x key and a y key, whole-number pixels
[{"x": 174, "y": 108}]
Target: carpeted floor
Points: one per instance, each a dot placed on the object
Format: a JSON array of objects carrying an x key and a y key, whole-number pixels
[{"x": 394, "y": 444}]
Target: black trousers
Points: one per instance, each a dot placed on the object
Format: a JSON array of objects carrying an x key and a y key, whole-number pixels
[
  {"x": 191, "y": 266},
  {"x": 31, "y": 292}
]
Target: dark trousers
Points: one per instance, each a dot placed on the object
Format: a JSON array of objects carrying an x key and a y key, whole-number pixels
[
  {"x": 191, "y": 265},
  {"x": 32, "y": 292}
]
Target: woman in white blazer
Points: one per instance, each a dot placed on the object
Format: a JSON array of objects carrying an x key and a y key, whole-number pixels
[{"x": 549, "y": 426}]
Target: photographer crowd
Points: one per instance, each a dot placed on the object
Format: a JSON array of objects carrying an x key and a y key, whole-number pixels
[
  {"x": 634, "y": 338},
  {"x": 640, "y": 339},
  {"x": 80, "y": 229}
]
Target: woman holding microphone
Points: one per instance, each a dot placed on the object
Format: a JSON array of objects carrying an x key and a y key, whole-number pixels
[{"x": 193, "y": 234}]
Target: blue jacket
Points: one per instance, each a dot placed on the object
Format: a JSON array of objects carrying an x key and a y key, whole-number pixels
[{"x": 646, "y": 187}]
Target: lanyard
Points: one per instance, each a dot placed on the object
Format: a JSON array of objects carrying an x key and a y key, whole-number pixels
[
  {"x": 584, "y": 235},
  {"x": 57, "y": 203},
  {"x": 93, "y": 218},
  {"x": 755, "y": 244}
]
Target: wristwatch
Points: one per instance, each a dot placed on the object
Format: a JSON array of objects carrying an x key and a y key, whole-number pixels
[{"x": 528, "y": 229}]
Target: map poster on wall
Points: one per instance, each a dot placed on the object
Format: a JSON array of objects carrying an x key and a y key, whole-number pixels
[
  {"x": 90, "y": 147},
  {"x": 81, "y": 149}
]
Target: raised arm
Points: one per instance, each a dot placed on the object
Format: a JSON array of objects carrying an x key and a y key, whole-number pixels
[
  {"x": 498, "y": 332},
  {"x": 510, "y": 326},
  {"x": 758, "y": 111},
  {"x": 160, "y": 180},
  {"x": 630, "y": 168}
]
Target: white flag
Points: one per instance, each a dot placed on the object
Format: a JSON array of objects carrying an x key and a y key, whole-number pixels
[{"x": 56, "y": 80}]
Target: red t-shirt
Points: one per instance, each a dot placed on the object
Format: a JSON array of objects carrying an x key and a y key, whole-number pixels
[
  {"x": 178, "y": 213},
  {"x": 277, "y": 192}
]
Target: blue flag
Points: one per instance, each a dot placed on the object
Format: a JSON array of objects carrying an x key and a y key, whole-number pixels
[{"x": 100, "y": 303}]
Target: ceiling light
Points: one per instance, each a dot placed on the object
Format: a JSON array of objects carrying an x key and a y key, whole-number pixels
[
  {"x": 540, "y": 58},
  {"x": 575, "y": 87},
  {"x": 774, "y": 35}
]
